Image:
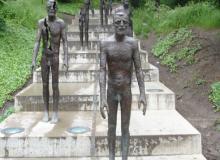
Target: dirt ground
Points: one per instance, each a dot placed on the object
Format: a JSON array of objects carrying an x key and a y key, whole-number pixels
[{"x": 192, "y": 99}]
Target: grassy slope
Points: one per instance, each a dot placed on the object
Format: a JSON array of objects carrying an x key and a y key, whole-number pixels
[
  {"x": 17, "y": 41},
  {"x": 170, "y": 23}
]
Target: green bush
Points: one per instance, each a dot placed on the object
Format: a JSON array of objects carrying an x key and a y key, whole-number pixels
[
  {"x": 214, "y": 96},
  {"x": 184, "y": 49},
  {"x": 148, "y": 19}
]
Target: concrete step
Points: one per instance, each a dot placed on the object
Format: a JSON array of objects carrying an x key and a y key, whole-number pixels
[
  {"x": 98, "y": 35},
  {"x": 92, "y": 28},
  {"x": 75, "y": 44},
  {"x": 174, "y": 157},
  {"x": 81, "y": 96},
  {"x": 92, "y": 56},
  {"x": 159, "y": 133},
  {"x": 93, "y": 20},
  {"x": 90, "y": 72}
]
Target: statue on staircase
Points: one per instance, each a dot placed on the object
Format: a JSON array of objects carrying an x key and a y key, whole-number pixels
[
  {"x": 119, "y": 52},
  {"x": 104, "y": 7},
  {"x": 84, "y": 23},
  {"x": 51, "y": 30}
]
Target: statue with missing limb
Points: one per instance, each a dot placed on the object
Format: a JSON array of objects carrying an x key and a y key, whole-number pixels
[
  {"x": 84, "y": 23},
  {"x": 51, "y": 30},
  {"x": 119, "y": 52},
  {"x": 104, "y": 7}
]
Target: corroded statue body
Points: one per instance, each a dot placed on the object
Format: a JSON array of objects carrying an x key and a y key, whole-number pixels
[
  {"x": 104, "y": 10},
  {"x": 119, "y": 52},
  {"x": 51, "y": 30},
  {"x": 84, "y": 23}
]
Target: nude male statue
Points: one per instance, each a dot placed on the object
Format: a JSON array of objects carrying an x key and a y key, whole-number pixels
[
  {"x": 104, "y": 7},
  {"x": 119, "y": 52},
  {"x": 51, "y": 30},
  {"x": 84, "y": 23}
]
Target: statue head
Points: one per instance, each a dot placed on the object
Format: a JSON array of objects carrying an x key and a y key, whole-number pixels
[
  {"x": 87, "y": 3},
  {"x": 121, "y": 22},
  {"x": 51, "y": 7}
]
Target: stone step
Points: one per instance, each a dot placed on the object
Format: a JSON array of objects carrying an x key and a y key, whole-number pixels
[
  {"x": 92, "y": 56},
  {"x": 92, "y": 28},
  {"x": 75, "y": 44},
  {"x": 90, "y": 72},
  {"x": 93, "y": 20},
  {"x": 98, "y": 35},
  {"x": 82, "y": 96},
  {"x": 159, "y": 133},
  {"x": 173, "y": 157}
]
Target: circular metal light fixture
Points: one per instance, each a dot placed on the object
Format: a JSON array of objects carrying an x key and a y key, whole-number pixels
[
  {"x": 10, "y": 131},
  {"x": 154, "y": 90},
  {"x": 78, "y": 130}
]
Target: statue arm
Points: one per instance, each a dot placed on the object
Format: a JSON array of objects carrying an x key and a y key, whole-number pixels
[
  {"x": 140, "y": 77},
  {"x": 65, "y": 44},
  {"x": 102, "y": 80},
  {"x": 37, "y": 44}
]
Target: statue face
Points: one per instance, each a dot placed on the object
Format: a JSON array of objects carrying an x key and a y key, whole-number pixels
[
  {"x": 121, "y": 23},
  {"x": 51, "y": 7}
]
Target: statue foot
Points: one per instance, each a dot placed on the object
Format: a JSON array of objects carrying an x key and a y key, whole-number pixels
[
  {"x": 55, "y": 118},
  {"x": 46, "y": 117}
]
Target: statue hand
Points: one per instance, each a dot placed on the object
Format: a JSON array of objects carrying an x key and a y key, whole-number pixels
[
  {"x": 102, "y": 108},
  {"x": 142, "y": 101}
]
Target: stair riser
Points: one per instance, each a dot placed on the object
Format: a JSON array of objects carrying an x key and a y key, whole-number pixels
[
  {"x": 91, "y": 35},
  {"x": 75, "y": 44},
  {"x": 73, "y": 103},
  {"x": 77, "y": 58},
  {"x": 79, "y": 146},
  {"x": 93, "y": 21},
  {"x": 91, "y": 76},
  {"x": 92, "y": 28}
]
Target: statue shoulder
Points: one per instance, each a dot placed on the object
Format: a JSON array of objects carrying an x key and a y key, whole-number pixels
[
  {"x": 61, "y": 22},
  {"x": 132, "y": 41},
  {"x": 41, "y": 22}
]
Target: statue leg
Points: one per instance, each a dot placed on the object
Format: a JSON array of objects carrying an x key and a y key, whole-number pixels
[
  {"x": 112, "y": 121},
  {"x": 45, "y": 70},
  {"x": 125, "y": 122},
  {"x": 87, "y": 31},
  {"x": 81, "y": 33},
  {"x": 106, "y": 16},
  {"x": 101, "y": 14},
  {"x": 55, "y": 83}
]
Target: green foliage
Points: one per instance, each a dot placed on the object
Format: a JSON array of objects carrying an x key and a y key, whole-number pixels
[
  {"x": 176, "y": 47},
  {"x": 147, "y": 18},
  {"x": 214, "y": 95},
  {"x": 7, "y": 113},
  {"x": 72, "y": 7},
  {"x": 23, "y": 12},
  {"x": 16, "y": 47}
]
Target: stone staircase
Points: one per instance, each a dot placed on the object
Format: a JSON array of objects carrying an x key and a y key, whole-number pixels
[{"x": 163, "y": 134}]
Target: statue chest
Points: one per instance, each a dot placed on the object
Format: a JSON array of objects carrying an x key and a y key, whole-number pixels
[
  {"x": 119, "y": 52},
  {"x": 54, "y": 29}
]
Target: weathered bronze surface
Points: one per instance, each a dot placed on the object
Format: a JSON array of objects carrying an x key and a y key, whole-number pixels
[
  {"x": 104, "y": 9},
  {"x": 51, "y": 30},
  {"x": 119, "y": 52},
  {"x": 84, "y": 23}
]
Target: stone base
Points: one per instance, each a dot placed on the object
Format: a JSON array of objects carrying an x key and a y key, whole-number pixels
[
  {"x": 177, "y": 157},
  {"x": 159, "y": 133}
]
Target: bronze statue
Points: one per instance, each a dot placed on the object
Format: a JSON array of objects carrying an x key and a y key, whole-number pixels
[
  {"x": 84, "y": 23},
  {"x": 51, "y": 29},
  {"x": 119, "y": 52},
  {"x": 129, "y": 13},
  {"x": 104, "y": 7}
]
